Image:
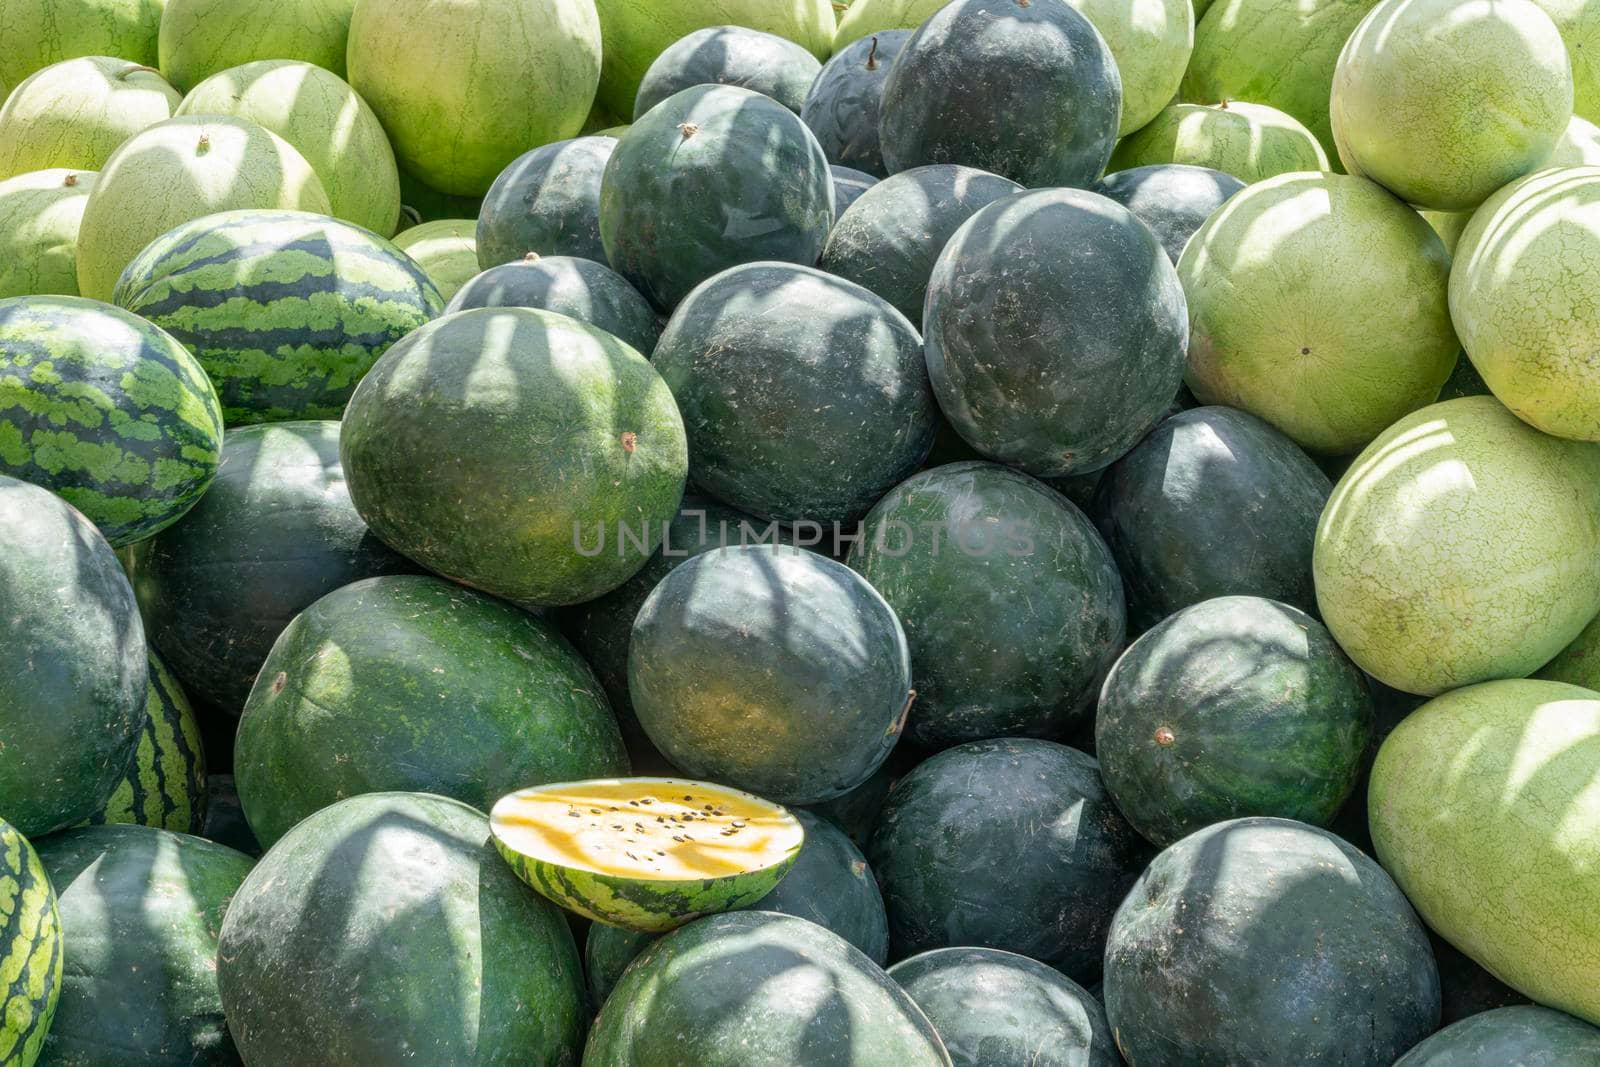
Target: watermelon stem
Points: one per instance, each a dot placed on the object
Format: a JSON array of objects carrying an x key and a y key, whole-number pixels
[{"x": 872, "y": 54}]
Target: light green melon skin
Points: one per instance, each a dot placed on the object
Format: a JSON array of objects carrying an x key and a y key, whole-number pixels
[
  {"x": 1462, "y": 546},
  {"x": 1408, "y": 101},
  {"x": 166, "y": 783},
  {"x": 1485, "y": 807},
  {"x": 39, "y": 217},
  {"x": 447, "y": 249},
  {"x": 1252, "y": 142},
  {"x": 31, "y": 924},
  {"x": 326, "y": 120},
  {"x": 178, "y": 171},
  {"x": 1578, "y": 21},
  {"x": 200, "y": 38},
  {"x": 1273, "y": 279},
  {"x": 1579, "y": 662},
  {"x": 77, "y": 112},
  {"x": 463, "y": 89},
  {"x": 38, "y": 33}
]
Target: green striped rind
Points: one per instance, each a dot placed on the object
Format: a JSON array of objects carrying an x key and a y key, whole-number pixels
[
  {"x": 166, "y": 785},
  {"x": 30, "y": 951},
  {"x": 285, "y": 310},
  {"x": 106, "y": 410}
]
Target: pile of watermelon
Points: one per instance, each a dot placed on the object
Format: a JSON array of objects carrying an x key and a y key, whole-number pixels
[{"x": 768, "y": 533}]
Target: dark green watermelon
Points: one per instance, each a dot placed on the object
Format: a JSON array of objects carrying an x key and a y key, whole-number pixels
[
  {"x": 225, "y": 821},
  {"x": 1023, "y": 88},
  {"x": 546, "y": 201},
  {"x": 729, "y": 55},
  {"x": 140, "y": 908},
  {"x": 759, "y": 989},
  {"x": 841, "y": 107},
  {"x": 804, "y": 396},
  {"x": 31, "y": 927},
  {"x": 713, "y": 177},
  {"x": 856, "y": 812},
  {"x": 1173, "y": 199},
  {"x": 73, "y": 669},
  {"x": 107, "y": 410},
  {"x": 275, "y": 531},
  {"x": 398, "y": 902},
  {"x": 1011, "y": 844},
  {"x": 1055, "y": 329},
  {"x": 1232, "y": 707},
  {"x": 1214, "y": 502},
  {"x": 999, "y": 1009},
  {"x": 412, "y": 683},
  {"x": 165, "y": 785},
  {"x": 587, "y": 291},
  {"x": 848, "y": 186},
  {"x": 1528, "y": 1036},
  {"x": 607, "y": 951},
  {"x": 1013, "y": 612},
  {"x": 285, "y": 310},
  {"x": 1267, "y": 941}
]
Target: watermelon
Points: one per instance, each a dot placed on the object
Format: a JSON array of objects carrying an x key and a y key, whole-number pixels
[
  {"x": 714, "y": 177},
  {"x": 419, "y": 203},
  {"x": 1029, "y": 91},
  {"x": 1249, "y": 141},
  {"x": 1465, "y": 988},
  {"x": 463, "y": 89},
  {"x": 1578, "y": 24},
  {"x": 77, "y": 112},
  {"x": 1173, "y": 199},
  {"x": 890, "y": 239},
  {"x": 335, "y": 711},
  {"x": 566, "y": 441},
  {"x": 607, "y": 951},
  {"x": 203, "y": 165},
  {"x": 1011, "y": 843},
  {"x": 581, "y": 288},
  {"x": 999, "y": 1009},
  {"x": 199, "y": 38},
  {"x": 729, "y": 55},
  {"x": 1055, "y": 331},
  {"x": 759, "y": 989},
  {"x": 285, "y": 310},
  {"x": 165, "y": 785},
  {"x": 1012, "y": 617},
  {"x": 39, "y": 217},
  {"x": 396, "y": 899},
  {"x": 225, "y": 821},
  {"x": 106, "y": 409},
  {"x": 41, "y": 32},
  {"x": 130, "y": 996},
  {"x": 741, "y": 650},
  {"x": 317, "y": 112},
  {"x": 1521, "y": 1035},
  {"x": 841, "y": 106},
  {"x": 1268, "y": 941},
  {"x": 546, "y": 201},
  {"x": 70, "y": 642},
  {"x": 1578, "y": 663},
  {"x": 849, "y": 185},
  {"x": 856, "y": 812},
  {"x": 33, "y": 939},
  {"x": 446, "y": 250}
]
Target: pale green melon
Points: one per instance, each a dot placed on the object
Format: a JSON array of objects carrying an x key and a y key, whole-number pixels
[
  {"x": 1485, "y": 808},
  {"x": 326, "y": 120},
  {"x": 464, "y": 88},
  {"x": 1579, "y": 24},
  {"x": 200, "y": 38},
  {"x": 1444, "y": 101},
  {"x": 1579, "y": 662},
  {"x": 177, "y": 171},
  {"x": 1249, "y": 141},
  {"x": 75, "y": 113},
  {"x": 37, "y": 33},
  {"x": 1462, "y": 546},
  {"x": 446, "y": 249},
  {"x": 40, "y": 213}
]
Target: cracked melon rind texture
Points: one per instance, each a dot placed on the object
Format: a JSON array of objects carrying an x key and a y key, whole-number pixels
[
  {"x": 30, "y": 930},
  {"x": 38, "y": 33},
  {"x": 199, "y": 38},
  {"x": 76, "y": 113},
  {"x": 730, "y": 55},
  {"x": 165, "y": 786},
  {"x": 1578, "y": 22},
  {"x": 1523, "y": 1034},
  {"x": 1252, "y": 142},
  {"x": 40, "y": 213}
]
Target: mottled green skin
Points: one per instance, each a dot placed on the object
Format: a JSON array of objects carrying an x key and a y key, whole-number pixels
[
  {"x": 39, "y": 217},
  {"x": 1267, "y": 941},
  {"x": 841, "y": 106},
  {"x": 1173, "y": 199},
  {"x": 30, "y": 929},
  {"x": 1236, "y": 706},
  {"x": 890, "y": 239},
  {"x": 1578, "y": 22},
  {"x": 397, "y": 901},
  {"x": 1579, "y": 662},
  {"x": 1029, "y": 91},
  {"x": 140, "y": 912},
  {"x": 1252, "y": 142},
  {"x": 730, "y": 55},
  {"x": 446, "y": 249},
  {"x": 714, "y": 177},
  {"x": 1462, "y": 545},
  {"x": 1526, "y": 1036},
  {"x": 1011, "y": 844},
  {"x": 758, "y": 989},
  {"x": 772, "y": 669},
  {"x": 1267, "y": 280},
  {"x": 1013, "y": 609},
  {"x": 581, "y": 288},
  {"x": 502, "y": 486},
  {"x": 1214, "y": 502},
  {"x": 804, "y": 396},
  {"x": 165, "y": 786},
  {"x": 75, "y": 113},
  {"x": 41, "y": 32},
  {"x": 999, "y": 1009},
  {"x": 1408, "y": 91},
  {"x": 546, "y": 201},
  {"x": 410, "y": 683},
  {"x": 285, "y": 310},
  {"x": 276, "y": 531},
  {"x": 200, "y": 38},
  {"x": 1055, "y": 331}
]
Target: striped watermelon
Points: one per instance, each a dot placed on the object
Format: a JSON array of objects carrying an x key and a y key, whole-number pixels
[
  {"x": 285, "y": 310},
  {"x": 166, "y": 784},
  {"x": 106, "y": 410},
  {"x": 30, "y": 950}
]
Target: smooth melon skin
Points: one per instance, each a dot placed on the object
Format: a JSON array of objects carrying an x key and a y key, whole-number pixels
[
  {"x": 446, "y": 249},
  {"x": 165, "y": 785},
  {"x": 849, "y": 185},
  {"x": 1252, "y": 142},
  {"x": 33, "y": 938},
  {"x": 225, "y": 822},
  {"x": 1266, "y": 278},
  {"x": 397, "y": 899},
  {"x": 40, "y": 213},
  {"x": 77, "y": 112},
  {"x": 1173, "y": 199},
  {"x": 1530, "y": 1036},
  {"x": 547, "y": 202},
  {"x": 1408, "y": 91},
  {"x": 200, "y": 38},
  {"x": 1429, "y": 579},
  {"x": 38, "y": 33},
  {"x": 730, "y": 55},
  {"x": 841, "y": 106},
  {"x": 580, "y": 288}
]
